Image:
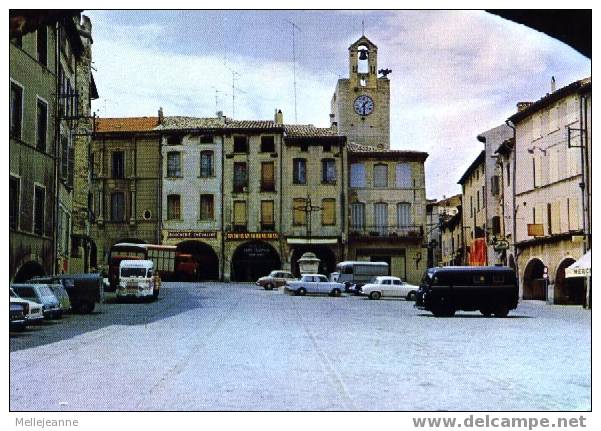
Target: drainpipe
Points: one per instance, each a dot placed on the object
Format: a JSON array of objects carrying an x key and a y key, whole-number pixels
[
  {"x": 513, "y": 190},
  {"x": 343, "y": 203},
  {"x": 222, "y": 227},
  {"x": 57, "y": 122},
  {"x": 584, "y": 184}
]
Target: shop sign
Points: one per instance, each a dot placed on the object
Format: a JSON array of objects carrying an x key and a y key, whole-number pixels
[
  {"x": 191, "y": 234},
  {"x": 235, "y": 236}
]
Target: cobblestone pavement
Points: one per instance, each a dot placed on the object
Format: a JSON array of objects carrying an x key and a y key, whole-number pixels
[{"x": 215, "y": 346}]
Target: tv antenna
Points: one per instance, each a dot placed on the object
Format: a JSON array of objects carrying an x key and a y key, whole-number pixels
[
  {"x": 294, "y": 29},
  {"x": 235, "y": 77}
]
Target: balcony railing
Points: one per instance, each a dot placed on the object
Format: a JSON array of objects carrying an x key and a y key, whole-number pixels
[{"x": 408, "y": 231}]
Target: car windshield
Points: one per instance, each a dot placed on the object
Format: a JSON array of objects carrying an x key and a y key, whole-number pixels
[
  {"x": 45, "y": 291},
  {"x": 133, "y": 272},
  {"x": 26, "y": 292}
]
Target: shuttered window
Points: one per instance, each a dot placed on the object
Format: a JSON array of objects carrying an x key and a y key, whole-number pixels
[
  {"x": 381, "y": 175},
  {"x": 381, "y": 217},
  {"x": 328, "y": 212},
  {"x": 403, "y": 175},
  {"x": 267, "y": 221},
  {"x": 239, "y": 214},
  {"x": 173, "y": 207},
  {"x": 299, "y": 217},
  {"x": 403, "y": 210},
  {"x": 573, "y": 213},
  {"x": 240, "y": 177},
  {"x": 206, "y": 207},
  {"x": 555, "y": 217},
  {"x": 357, "y": 216},
  {"x": 494, "y": 185},
  {"x": 267, "y": 176},
  {"x": 328, "y": 171},
  {"x": 357, "y": 175}
]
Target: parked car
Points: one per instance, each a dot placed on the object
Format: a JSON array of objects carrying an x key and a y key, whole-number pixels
[
  {"x": 33, "y": 313},
  {"x": 84, "y": 290},
  {"x": 42, "y": 294},
  {"x": 17, "y": 313},
  {"x": 315, "y": 283},
  {"x": 489, "y": 289},
  {"x": 62, "y": 296},
  {"x": 275, "y": 278},
  {"x": 389, "y": 287}
]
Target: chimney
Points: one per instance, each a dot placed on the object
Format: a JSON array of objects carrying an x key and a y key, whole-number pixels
[
  {"x": 553, "y": 87},
  {"x": 523, "y": 105},
  {"x": 161, "y": 115},
  {"x": 279, "y": 117}
]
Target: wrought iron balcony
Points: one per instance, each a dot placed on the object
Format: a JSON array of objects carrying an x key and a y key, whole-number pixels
[{"x": 406, "y": 231}]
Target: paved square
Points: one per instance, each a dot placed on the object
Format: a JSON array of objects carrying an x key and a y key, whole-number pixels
[{"x": 217, "y": 346}]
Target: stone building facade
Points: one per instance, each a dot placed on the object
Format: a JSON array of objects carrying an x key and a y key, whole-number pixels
[
  {"x": 474, "y": 212},
  {"x": 451, "y": 233},
  {"x": 49, "y": 63},
  {"x": 552, "y": 137},
  {"x": 191, "y": 196},
  {"x": 126, "y": 183},
  {"x": 387, "y": 209}
]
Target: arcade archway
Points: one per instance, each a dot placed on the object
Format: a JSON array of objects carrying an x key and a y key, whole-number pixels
[
  {"x": 198, "y": 261},
  {"x": 535, "y": 286},
  {"x": 568, "y": 291},
  {"x": 253, "y": 260},
  {"x": 27, "y": 271},
  {"x": 324, "y": 253}
]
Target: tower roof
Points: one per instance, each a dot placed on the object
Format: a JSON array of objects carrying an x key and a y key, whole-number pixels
[{"x": 363, "y": 40}]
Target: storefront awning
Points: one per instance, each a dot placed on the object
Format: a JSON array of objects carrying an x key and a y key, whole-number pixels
[
  {"x": 580, "y": 268},
  {"x": 312, "y": 240}
]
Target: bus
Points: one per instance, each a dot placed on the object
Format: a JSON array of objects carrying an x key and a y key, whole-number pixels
[
  {"x": 359, "y": 273},
  {"x": 162, "y": 256}
]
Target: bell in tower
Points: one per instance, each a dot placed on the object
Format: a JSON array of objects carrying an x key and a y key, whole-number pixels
[{"x": 363, "y": 63}]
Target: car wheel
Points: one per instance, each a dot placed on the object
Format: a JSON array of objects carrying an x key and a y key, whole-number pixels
[
  {"x": 486, "y": 312},
  {"x": 301, "y": 291},
  {"x": 336, "y": 292},
  {"x": 411, "y": 296},
  {"x": 269, "y": 286},
  {"x": 502, "y": 311},
  {"x": 375, "y": 295}
]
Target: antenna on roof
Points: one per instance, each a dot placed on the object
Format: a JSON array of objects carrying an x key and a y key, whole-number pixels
[
  {"x": 294, "y": 28},
  {"x": 362, "y": 28},
  {"x": 235, "y": 77}
]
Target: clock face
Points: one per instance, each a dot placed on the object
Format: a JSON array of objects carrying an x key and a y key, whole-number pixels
[{"x": 364, "y": 105}]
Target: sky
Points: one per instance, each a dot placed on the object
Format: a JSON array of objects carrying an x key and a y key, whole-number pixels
[{"x": 455, "y": 74}]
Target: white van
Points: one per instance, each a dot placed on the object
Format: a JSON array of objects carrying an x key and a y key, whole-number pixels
[
  {"x": 137, "y": 279},
  {"x": 358, "y": 273}
]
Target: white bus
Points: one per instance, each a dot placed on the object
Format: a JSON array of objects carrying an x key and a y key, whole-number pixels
[{"x": 360, "y": 272}]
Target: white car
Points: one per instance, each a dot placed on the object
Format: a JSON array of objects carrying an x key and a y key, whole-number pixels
[
  {"x": 315, "y": 283},
  {"x": 34, "y": 313},
  {"x": 388, "y": 286}
]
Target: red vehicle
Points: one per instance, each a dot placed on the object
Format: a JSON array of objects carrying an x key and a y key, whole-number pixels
[
  {"x": 186, "y": 267},
  {"x": 163, "y": 257}
]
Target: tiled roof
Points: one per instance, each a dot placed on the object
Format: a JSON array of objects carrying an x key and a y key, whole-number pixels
[
  {"x": 308, "y": 130},
  {"x": 126, "y": 124},
  {"x": 182, "y": 123},
  {"x": 253, "y": 124}
]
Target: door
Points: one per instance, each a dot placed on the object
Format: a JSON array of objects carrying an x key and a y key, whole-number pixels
[{"x": 398, "y": 289}]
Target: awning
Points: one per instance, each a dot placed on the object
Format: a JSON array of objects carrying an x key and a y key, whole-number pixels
[{"x": 580, "y": 268}]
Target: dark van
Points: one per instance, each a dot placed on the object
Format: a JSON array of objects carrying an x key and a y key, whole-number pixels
[
  {"x": 489, "y": 289},
  {"x": 84, "y": 290}
]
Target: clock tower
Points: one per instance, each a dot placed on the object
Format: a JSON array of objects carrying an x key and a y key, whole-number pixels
[{"x": 360, "y": 106}]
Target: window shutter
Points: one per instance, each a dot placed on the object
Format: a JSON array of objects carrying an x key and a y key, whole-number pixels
[
  {"x": 357, "y": 216},
  {"x": 403, "y": 214},
  {"x": 380, "y": 176},
  {"x": 267, "y": 176},
  {"x": 239, "y": 213},
  {"x": 328, "y": 212},
  {"x": 71, "y": 163},
  {"x": 496, "y": 225},
  {"x": 555, "y": 218},
  {"x": 267, "y": 213},
  {"x": 299, "y": 215},
  {"x": 403, "y": 175},
  {"x": 494, "y": 185},
  {"x": 573, "y": 213},
  {"x": 357, "y": 175}
]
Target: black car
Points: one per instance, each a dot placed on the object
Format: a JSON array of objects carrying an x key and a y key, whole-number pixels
[{"x": 489, "y": 289}]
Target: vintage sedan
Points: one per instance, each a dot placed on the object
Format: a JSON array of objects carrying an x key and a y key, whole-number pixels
[
  {"x": 389, "y": 287},
  {"x": 40, "y": 293},
  {"x": 33, "y": 310},
  {"x": 275, "y": 278},
  {"x": 18, "y": 311},
  {"x": 315, "y": 283}
]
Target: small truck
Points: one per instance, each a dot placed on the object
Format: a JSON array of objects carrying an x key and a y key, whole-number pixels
[{"x": 137, "y": 279}]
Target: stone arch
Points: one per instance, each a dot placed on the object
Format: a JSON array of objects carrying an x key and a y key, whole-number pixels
[
  {"x": 569, "y": 291},
  {"x": 201, "y": 253},
  {"x": 28, "y": 270},
  {"x": 252, "y": 260},
  {"x": 535, "y": 286}
]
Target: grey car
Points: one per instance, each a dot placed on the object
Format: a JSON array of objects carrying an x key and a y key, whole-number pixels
[
  {"x": 61, "y": 294},
  {"x": 42, "y": 294}
]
